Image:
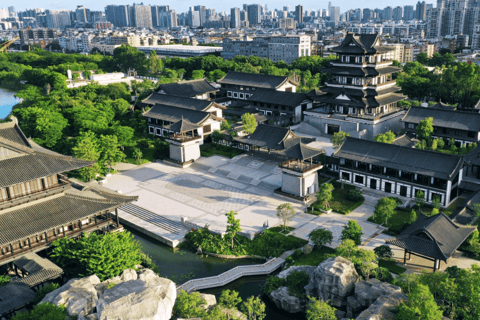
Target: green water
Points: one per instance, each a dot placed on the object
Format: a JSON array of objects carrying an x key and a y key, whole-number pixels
[{"x": 181, "y": 266}]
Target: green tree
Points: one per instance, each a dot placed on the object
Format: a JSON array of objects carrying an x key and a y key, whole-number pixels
[
  {"x": 436, "y": 202},
  {"x": 285, "y": 213},
  {"x": 425, "y": 128},
  {"x": 385, "y": 209},
  {"x": 321, "y": 237},
  {"x": 413, "y": 216},
  {"x": 320, "y": 310},
  {"x": 338, "y": 138},
  {"x": 120, "y": 106},
  {"x": 110, "y": 152},
  {"x": 383, "y": 251},
  {"x": 352, "y": 231},
  {"x": 217, "y": 136},
  {"x": 198, "y": 74},
  {"x": 4, "y": 280},
  {"x": 249, "y": 123},
  {"x": 126, "y": 57},
  {"x": 434, "y": 144},
  {"x": 215, "y": 313},
  {"x": 422, "y": 58},
  {"x": 254, "y": 308},
  {"x": 87, "y": 148},
  {"x": 104, "y": 255},
  {"x": 41, "y": 293},
  {"x": 189, "y": 305},
  {"x": 137, "y": 154},
  {"x": 387, "y": 137},
  {"x": 420, "y": 199},
  {"x": 43, "y": 311},
  {"x": 154, "y": 64},
  {"x": 325, "y": 194},
  {"x": 233, "y": 225},
  {"x": 420, "y": 305},
  {"x": 229, "y": 299},
  {"x": 364, "y": 260}
]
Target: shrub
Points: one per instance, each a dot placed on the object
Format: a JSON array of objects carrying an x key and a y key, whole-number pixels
[
  {"x": 4, "y": 280},
  {"x": 321, "y": 237},
  {"x": 111, "y": 285},
  {"x": 296, "y": 281},
  {"x": 383, "y": 251},
  {"x": 297, "y": 254},
  {"x": 289, "y": 259},
  {"x": 352, "y": 231},
  {"x": 273, "y": 283},
  {"x": 44, "y": 291},
  {"x": 147, "y": 262},
  {"x": 189, "y": 305},
  {"x": 355, "y": 195},
  {"x": 44, "y": 311},
  {"x": 383, "y": 274}
]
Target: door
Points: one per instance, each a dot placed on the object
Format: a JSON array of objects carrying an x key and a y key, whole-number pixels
[
  {"x": 331, "y": 129},
  {"x": 373, "y": 184},
  {"x": 388, "y": 187},
  {"x": 403, "y": 191}
]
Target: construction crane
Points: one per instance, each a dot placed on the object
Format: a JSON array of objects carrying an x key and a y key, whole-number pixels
[{"x": 4, "y": 46}]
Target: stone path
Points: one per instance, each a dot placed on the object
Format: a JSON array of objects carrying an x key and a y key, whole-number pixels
[{"x": 234, "y": 274}]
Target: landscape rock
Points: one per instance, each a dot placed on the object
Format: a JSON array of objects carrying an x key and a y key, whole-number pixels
[
  {"x": 79, "y": 296},
  {"x": 147, "y": 298},
  {"x": 335, "y": 280},
  {"x": 367, "y": 292},
  {"x": 210, "y": 300},
  {"x": 286, "y": 302},
  {"x": 128, "y": 274},
  {"x": 382, "y": 308},
  {"x": 310, "y": 288}
]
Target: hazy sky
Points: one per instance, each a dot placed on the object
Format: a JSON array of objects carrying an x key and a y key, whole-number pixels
[{"x": 183, "y": 5}]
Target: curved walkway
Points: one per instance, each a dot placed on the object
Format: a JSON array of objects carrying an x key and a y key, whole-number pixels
[{"x": 234, "y": 274}]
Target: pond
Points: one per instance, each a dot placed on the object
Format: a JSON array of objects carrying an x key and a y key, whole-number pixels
[
  {"x": 7, "y": 101},
  {"x": 182, "y": 265}
]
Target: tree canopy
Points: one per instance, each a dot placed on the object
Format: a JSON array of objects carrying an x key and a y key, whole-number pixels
[{"x": 249, "y": 123}]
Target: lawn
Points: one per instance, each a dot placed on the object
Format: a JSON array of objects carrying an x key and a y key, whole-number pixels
[
  {"x": 391, "y": 266},
  {"x": 340, "y": 202},
  {"x": 400, "y": 221},
  {"x": 281, "y": 230},
  {"x": 209, "y": 149},
  {"x": 314, "y": 258}
]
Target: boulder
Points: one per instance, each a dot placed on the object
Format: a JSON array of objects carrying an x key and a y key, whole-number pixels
[
  {"x": 286, "y": 302},
  {"x": 367, "y": 292},
  {"x": 149, "y": 297},
  {"x": 335, "y": 280},
  {"x": 210, "y": 300},
  {"x": 79, "y": 296},
  {"x": 382, "y": 308},
  {"x": 128, "y": 274}
]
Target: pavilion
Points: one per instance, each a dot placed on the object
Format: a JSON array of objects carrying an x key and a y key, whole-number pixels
[{"x": 184, "y": 145}]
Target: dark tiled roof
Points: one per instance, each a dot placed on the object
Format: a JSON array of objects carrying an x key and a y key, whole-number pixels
[
  {"x": 358, "y": 98},
  {"x": 291, "y": 99},
  {"x": 39, "y": 269},
  {"x": 360, "y": 44},
  {"x": 36, "y": 165},
  {"x": 436, "y": 237},
  {"x": 404, "y": 141},
  {"x": 53, "y": 212},
  {"x": 11, "y": 132},
  {"x": 361, "y": 72},
  {"x": 180, "y": 102},
  {"x": 445, "y": 118},
  {"x": 183, "y": 126},
  {"x": 14, "y": 296},
  {"x": 272, "y": 137},
  {"x": 300, "y": 151},
  {"x": 473, "y": 157},
  {"x": 254, "y": 80},
  {"x": 443, "y": 106},
  {"x": 190, "y": 88},
  {"x": 175, "y": 114},
  {"x": 428, "y": 163}
]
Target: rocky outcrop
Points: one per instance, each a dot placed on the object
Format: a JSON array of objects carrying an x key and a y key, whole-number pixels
[
  {"x": 79, "y": 296},
  {"x": 285, "y": 301},
  {"x": 210, "y": 300},
  {"x": 335, "y": 280},
  {"x": 382, "y": 308},
  {"x": 143, "y": 295}
]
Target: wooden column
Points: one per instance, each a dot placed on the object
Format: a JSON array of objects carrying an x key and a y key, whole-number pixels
[
  {"x": 11, "y": 248},
  {"x": 116, "y": 215},
  {"x": 29, "y": 243},
  {"x": 63, "y": 230},
  {"x": 405, "y": 257}
]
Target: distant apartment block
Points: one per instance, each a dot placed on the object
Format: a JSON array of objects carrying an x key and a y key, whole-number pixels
[
  {"x": 58, "y": 19},
  {"x": 40, "y": 37},
  {"x": 280, "y": 48}
]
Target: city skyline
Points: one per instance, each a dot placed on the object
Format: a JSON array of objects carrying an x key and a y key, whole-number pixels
[{"x": 184, "y": 5}]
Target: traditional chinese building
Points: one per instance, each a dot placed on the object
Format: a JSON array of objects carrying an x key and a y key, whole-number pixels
[
  {"x": 361, "y": 96},
  {"x": 38, "y": 204}
]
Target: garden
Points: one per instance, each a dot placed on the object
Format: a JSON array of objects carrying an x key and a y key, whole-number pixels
[
  {"x": 341, "y": 198},
  {"x": 210, "y": 149}
]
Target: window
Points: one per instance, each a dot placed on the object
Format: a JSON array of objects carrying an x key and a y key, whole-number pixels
[
  {"x": 458, "y": 132},
  {"x": 346, "y": 176},
  {"x": 411, "y": 126},
  {"x": 359, "y": 179},
  {"x": 471, "y": 134}
]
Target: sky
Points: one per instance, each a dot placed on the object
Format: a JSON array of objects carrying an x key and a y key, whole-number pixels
[{"x": 183, "y": 5}]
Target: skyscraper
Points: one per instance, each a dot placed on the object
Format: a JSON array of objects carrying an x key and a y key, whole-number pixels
[
  {"x": 202, "y": 13},
  {"x": 58, "y": 19},
  {"x": 335, "y": 13},
  {"x": 193, "y": 17},
  {"x": 235, "y": 18},
  {"x": 11, "y": 11},
  {"x": 142, "y": 16},
  {"x": 358, "y": 14},
  {"x": 299, "y": 14},
  {"x": 254, "y": 14},
  {"x": 408, "y": 13},
  {"x": 367, "y": 14},
  {"x": 81, "y": 14},
  {"x": 421, "y": 11},
  {"x": 398, "y": 13},
  {"x": 118, "y": 15},
  {"x": 388, "y": 13}
]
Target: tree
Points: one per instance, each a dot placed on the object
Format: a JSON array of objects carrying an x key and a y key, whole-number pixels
[
  {"x": 419, "y": 199},
  {"x": 249, "y": 123},
  {"x": 353, "y": 231},
  {"x": 217, "y": 136},
  {"x": 420, "y": 305},
  {"x": 110, "y": 152},
  {"x": 423, "y": 58},
  {"x": 320, "y": 310},
  {"x": 324, "y": 195},
  {"x": 364, "y": 260},
  {"x": 104, "y": 255},
  {"x": 254, "y": 308},
  {"x": 413, "y": 216},
  {"x": 285, "y": 213},
  {"x": 198, "y": 74},
  {"x": 189, "y": 305},
  {"x": 436, "y": 202},
  {"x": 44, "y": 311},
  {"x": 435, "y": 144},
  {"x": 137, "y": 154},
  {"x": 321, "y": 237},
  {"x": 425, "y": 128},
  {"x": 233, "y": 225},
  {"x": 383, "y": 251},
  {"x": 476, "y": 209},
  {"x": 385, "y": 209},
  {"x": 154, "y": 64},
  {"x": 338, "y": 138},
  {"x": 126, "y": 57},
  {"x": 87, "y": 148},
  {"x": 229, "y": 299},
  {"x": 387, "y": 137}
]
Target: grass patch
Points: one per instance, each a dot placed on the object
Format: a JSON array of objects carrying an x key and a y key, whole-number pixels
[
  {"x": 391, "y": 266},
  {"x": 314, "y": 258},
  {"x": 281, "y": 230},
  {"x": 340, "y": 202},
  {"x": 210, "y": 149}
]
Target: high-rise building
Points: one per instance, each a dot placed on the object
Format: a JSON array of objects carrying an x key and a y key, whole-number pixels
[
  {"x": 452, "y": 18},
  {"x": 118, "y": 15},
  {"x": 168, "y": 19},
  {"x": 367, "y": 14},
  {"x": 421, "y": 11},
  {"x": 194, "y": 18},
  {"x": 299, "y": 14},
  {"x": 398, "y": 13},
  {"x": 11, "y": 11},
  {"x": 235, "y": 18},
  {"x": 408, "y": 13},
  {"x": 254, "y": 14},
  {"x": 334, "y": 13},
  {"x": 388, "y": 13},
  {"x": 58, "y": 19},
  {"x": 358, "y": 14},
  {"x": 142, "y": 16},
  {"x": 202, "y": 12},
  {"x": 286, "y": 8},
  {"x": 81, "y": 14}
]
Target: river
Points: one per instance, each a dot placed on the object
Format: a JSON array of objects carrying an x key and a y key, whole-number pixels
[
  {"x": 7, "y": 101},
  {"x": 181, "y": 265}
]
